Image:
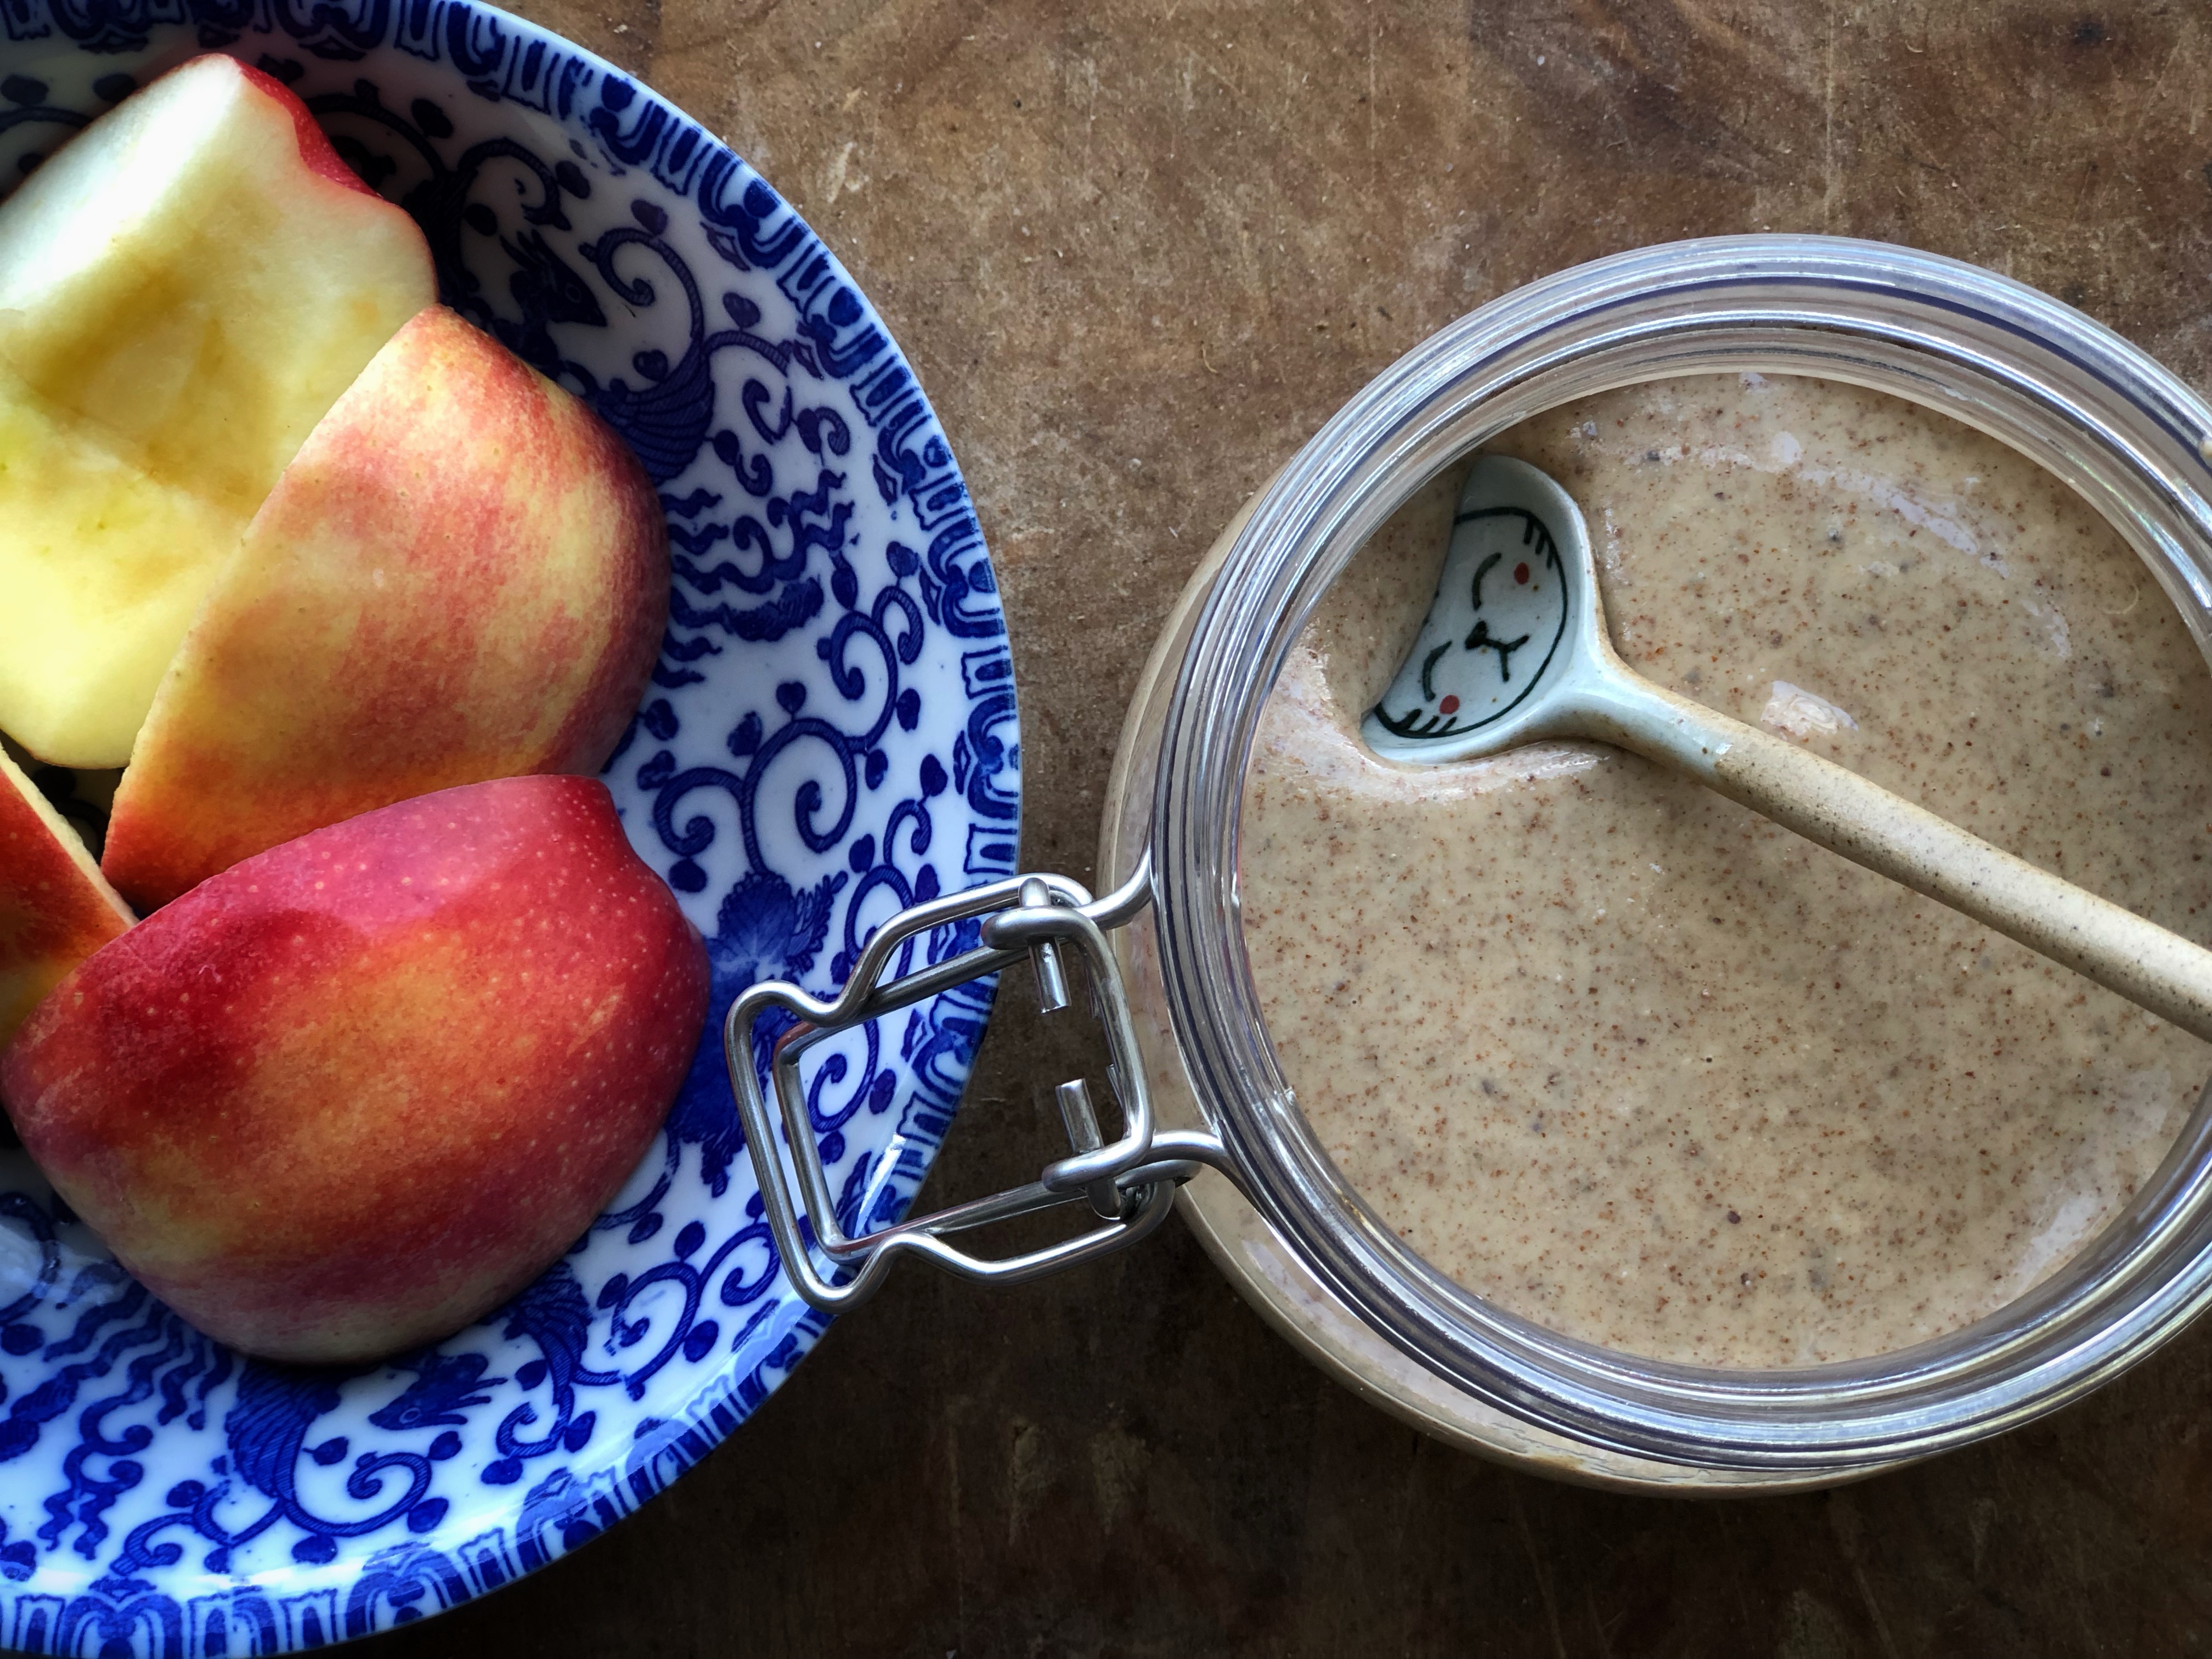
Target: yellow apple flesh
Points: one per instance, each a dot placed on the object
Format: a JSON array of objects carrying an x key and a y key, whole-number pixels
[
  {"x": 463, "y": 576},
  {"x": 186, "y": 288},
  {"x": 55, "y": 908}
]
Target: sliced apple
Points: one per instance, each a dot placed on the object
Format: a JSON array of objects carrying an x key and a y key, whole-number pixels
[
  {"x": 56, "y": 909},
  {"x": 355, "y": 1092},
  {"x": 186, "y": 288},
  {"x": 463, "y": 576}
]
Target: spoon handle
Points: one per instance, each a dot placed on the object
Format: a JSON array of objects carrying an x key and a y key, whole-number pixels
[{"x": 1836, "y": 808}]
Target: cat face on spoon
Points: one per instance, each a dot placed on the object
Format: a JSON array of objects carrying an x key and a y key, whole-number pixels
[{"x": 1495, "y": 651}]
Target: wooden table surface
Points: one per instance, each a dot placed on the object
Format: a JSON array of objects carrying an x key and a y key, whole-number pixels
[{"x": 1139, "y": 250}]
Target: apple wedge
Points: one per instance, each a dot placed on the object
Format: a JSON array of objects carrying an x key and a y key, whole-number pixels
[
  {"x": 185, "y": 288},
  {"x": 356, "y": 1091},
  {"x": 463, "y": 576},
  {"x": 55, "y": 908}
]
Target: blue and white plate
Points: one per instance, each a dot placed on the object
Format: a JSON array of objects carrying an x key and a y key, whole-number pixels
[{"x": 829, "y": 737}]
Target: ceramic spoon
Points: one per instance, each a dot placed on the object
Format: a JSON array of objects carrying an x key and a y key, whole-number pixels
[{"x": 1515, "y": 649}]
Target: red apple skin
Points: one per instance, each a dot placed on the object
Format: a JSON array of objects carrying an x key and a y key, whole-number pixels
[
  {"x": 317, "y": 153},
  {"x": 463, "y": 574},
  {"x": 359, "y": 1090},
  {"x": 55, "y": 910}
]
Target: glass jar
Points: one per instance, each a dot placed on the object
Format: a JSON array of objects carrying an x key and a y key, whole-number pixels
[
  {"x": 1201, "y": 1093},
  {"x": 1302, "y": 1247}
]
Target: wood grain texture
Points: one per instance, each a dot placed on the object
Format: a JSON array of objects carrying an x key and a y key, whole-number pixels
[{"x": 1139, "y": 250}]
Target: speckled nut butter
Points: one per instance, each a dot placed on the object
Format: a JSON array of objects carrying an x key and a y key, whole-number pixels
[{"x": 1629, "y": 1061}]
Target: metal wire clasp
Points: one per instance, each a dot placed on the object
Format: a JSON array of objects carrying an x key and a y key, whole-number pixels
[{"x": 1129, "y": 1183}]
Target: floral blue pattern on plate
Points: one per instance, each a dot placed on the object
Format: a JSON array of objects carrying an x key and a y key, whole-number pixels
[{"x": 828, "y": 737}]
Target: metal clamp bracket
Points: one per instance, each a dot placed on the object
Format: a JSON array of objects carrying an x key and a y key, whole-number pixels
[{"x": 1129, "y": 1184}]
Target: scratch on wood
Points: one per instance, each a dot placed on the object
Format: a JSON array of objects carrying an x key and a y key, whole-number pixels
[
  {"x": 1371, "y": 35},
  {"x": 1828, "y": 130},
  {"x": 1536, "y": 1567}
]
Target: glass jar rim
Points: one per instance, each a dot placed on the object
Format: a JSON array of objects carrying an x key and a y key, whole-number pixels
[{"x": 2068, "y": 393}]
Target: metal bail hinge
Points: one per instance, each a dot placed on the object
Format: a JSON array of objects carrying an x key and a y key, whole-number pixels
[{"x": 1129, "y": 1183}]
